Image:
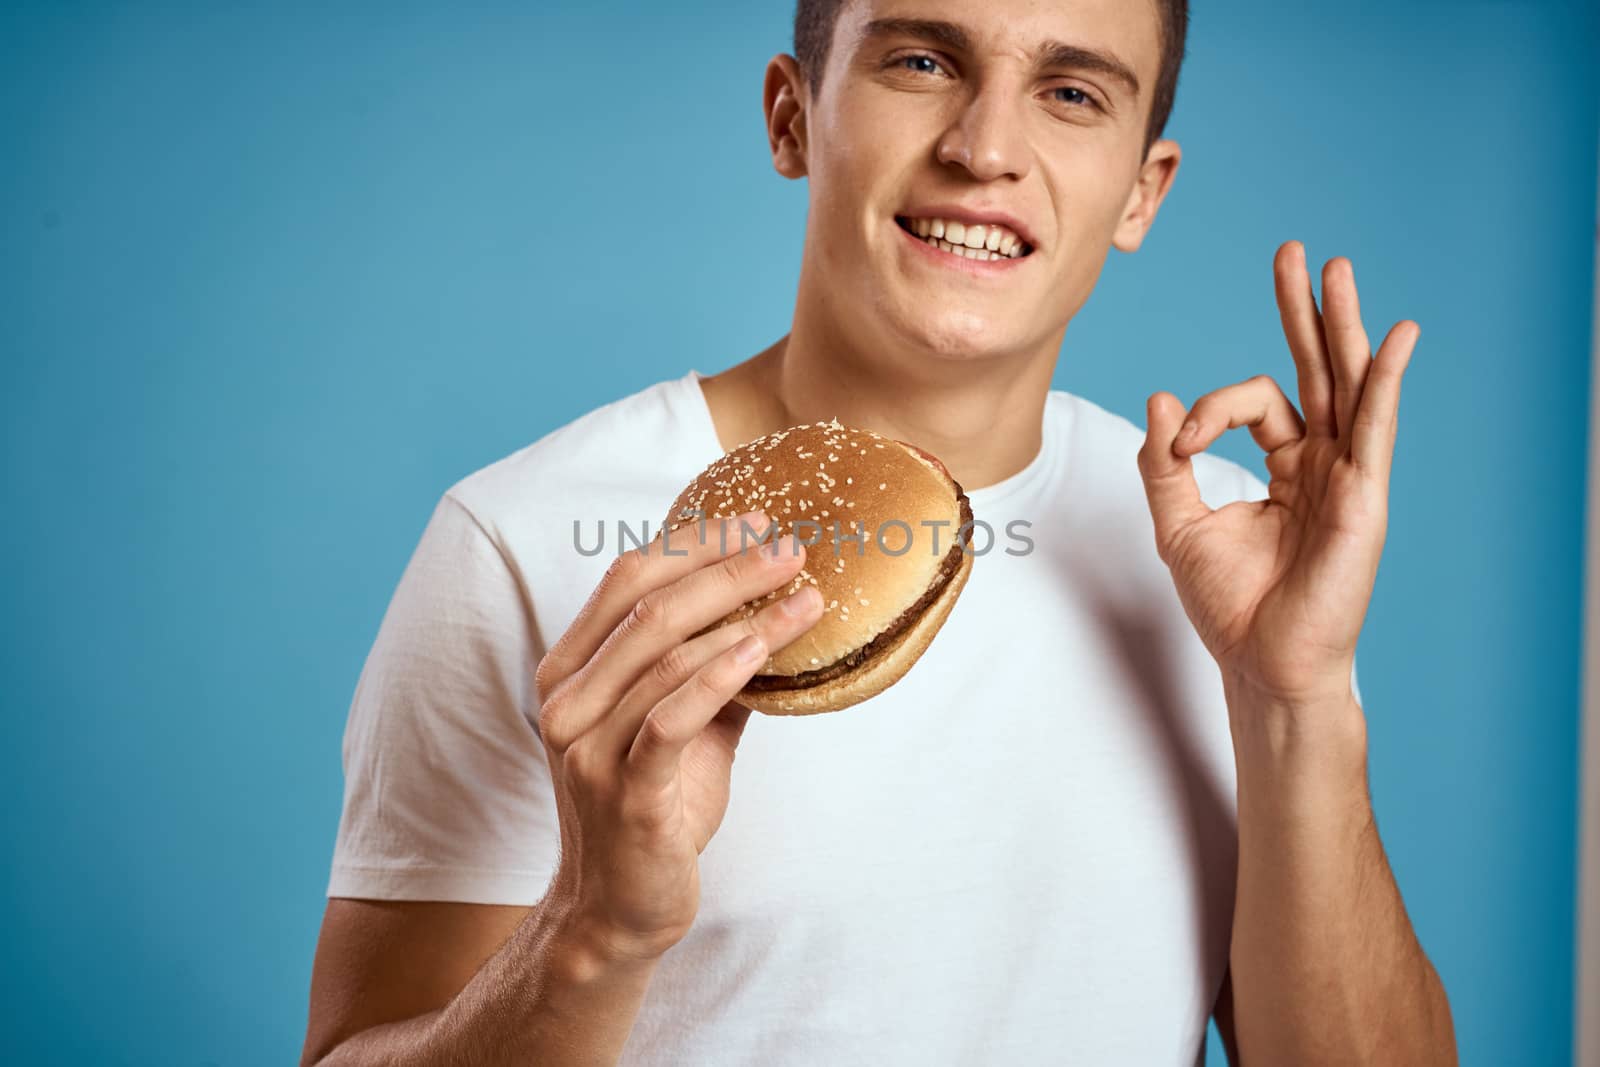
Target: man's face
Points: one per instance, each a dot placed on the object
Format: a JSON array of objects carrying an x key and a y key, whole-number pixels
[{"x": 960, "y": 121}]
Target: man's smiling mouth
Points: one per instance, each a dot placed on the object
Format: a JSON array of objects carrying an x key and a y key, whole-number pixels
[{"x": 981, "y": 242}]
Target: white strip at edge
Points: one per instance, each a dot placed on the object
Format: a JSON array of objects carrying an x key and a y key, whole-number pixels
[{"x": 1586, "y": 1005}]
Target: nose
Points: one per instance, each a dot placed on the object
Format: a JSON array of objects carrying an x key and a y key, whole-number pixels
[{"x": 987, "y": 137}]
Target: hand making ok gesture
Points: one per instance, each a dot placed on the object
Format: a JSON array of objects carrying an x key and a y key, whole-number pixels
[{"x": 1277, "y": 589}]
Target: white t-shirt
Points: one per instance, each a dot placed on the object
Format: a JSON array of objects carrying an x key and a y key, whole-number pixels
[{"x": 1022, "y": 853}]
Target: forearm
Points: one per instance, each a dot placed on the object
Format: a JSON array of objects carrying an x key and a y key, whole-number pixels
[
  {"x": 1325, "y": 965},
  {"x": 549, "y": 995}
]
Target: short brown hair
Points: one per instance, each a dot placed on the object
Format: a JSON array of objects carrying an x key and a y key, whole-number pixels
[{"x": 813, "y": 34}]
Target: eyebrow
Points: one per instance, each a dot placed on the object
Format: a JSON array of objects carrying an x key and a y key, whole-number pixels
[{"x": 1049, "y": 54}]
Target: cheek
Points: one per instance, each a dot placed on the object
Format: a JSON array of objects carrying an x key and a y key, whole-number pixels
[
  {"x": 846, "y": 199},
  {"x": 848, "y": 173},
  {"x": 1088, "y": 203},
  {"x": 864, "y": 150}
]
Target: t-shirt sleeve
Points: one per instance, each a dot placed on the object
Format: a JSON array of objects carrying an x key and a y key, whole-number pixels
[
  {"x": 447, "y": 791},
  {"x": 1253, "y": 488}
]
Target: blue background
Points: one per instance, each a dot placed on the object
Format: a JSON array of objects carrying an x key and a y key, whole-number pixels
[{"x": 274, "y": 280}]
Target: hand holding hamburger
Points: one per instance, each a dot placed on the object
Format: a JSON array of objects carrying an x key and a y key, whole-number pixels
[
  {"x": 640, "y": 699},
  {"x": 639, "y": 730}
]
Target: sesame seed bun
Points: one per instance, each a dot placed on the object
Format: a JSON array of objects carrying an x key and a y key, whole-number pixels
[{"x": 884, "y": 596}]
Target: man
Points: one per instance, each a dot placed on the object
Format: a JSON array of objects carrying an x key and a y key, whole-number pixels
[{"x": 1123, "y": 792}]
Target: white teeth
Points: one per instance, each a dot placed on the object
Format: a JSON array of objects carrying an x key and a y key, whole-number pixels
[
  {"x": 984, "y": 236},
  {"x": 963, "y": 250}
]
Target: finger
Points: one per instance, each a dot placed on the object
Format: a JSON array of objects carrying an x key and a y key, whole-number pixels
[
  {"x": 666, "y": 617},
  {"x": 776, "y": 625},
  {"x": 1302, "y": 327},
  {"x": 1258, "y": 403},
  {"x": 683, "y": 713},
  {"x": 1169, "y": 483},
  {"x": 668, "y": 557},
  {"x": 1377, "y": 418},
  {"x": 1348, "y": 348}
]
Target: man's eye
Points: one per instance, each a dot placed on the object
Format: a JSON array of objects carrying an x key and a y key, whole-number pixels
[
  {"x": 921, "y": 64},
  {"x": 1085, "y": 101}
]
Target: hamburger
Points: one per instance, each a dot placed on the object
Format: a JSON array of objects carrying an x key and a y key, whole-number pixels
[{"x": 888, "y": 535}]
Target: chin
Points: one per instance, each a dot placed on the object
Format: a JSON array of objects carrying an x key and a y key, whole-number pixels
[{"x": 960, "y": 336}]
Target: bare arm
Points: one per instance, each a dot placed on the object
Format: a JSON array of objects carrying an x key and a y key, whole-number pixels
[
  {"x": 1324, "y": 965},
  {"x": 437, "y": 983}
]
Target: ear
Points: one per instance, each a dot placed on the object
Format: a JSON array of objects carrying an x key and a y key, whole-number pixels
[
  {"x": 1155, "y": 178},
  {"x": 785, "y": 98}
]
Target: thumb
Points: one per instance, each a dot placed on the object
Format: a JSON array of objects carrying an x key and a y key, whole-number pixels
[
  {"x": 728, "y": 724},
  {"x": 1169, "y": 483}
]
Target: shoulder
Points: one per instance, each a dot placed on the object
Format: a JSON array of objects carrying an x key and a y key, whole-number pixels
[
  {"x": 1103, "y": 446},
  {"x": 581, "y": 458}
]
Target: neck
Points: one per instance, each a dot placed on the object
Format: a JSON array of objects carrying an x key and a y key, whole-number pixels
[{"x": 981, "y": 418}]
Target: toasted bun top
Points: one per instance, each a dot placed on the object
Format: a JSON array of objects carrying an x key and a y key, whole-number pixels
[{"x": 869, "y": 485}]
